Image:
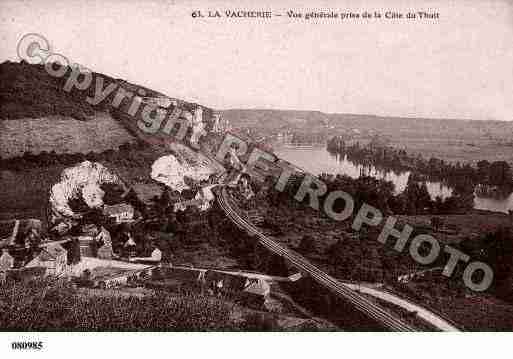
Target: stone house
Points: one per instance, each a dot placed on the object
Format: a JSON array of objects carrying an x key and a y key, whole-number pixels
[
  {"x": 6, "y": 263},
  {"x": 257, "y": 287}
]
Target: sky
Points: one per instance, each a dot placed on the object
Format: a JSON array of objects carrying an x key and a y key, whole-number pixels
[{"x": 459, "y": 66}]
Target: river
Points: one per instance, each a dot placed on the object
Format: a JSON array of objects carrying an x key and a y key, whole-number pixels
[{"x": 316, "y": 160}]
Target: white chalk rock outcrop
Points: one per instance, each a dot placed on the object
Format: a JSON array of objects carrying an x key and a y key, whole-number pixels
[
  {"x": 82, "y": 180},
  {"x": 198, "y": 127},
  {"x": 171, "y": 172}
]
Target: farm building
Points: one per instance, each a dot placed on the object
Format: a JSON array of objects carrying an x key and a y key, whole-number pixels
[
  {"x": 130, "y": 247},
  {"x": 86, "y": 244},
  {"x": 54, "y": 258}
]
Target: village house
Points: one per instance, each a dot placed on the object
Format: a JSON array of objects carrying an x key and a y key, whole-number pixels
[
  {"x": 6, "y": 263},
  {"x": 95, "y": 242},
  {"x": 121, "y": 212},
  {"x": 156, "y": 255},
  {"x": 130, "y": 247},
  {"x": 54, "y": 258},
  {"x": 252, "y": 291},
  {"x": 104, "y": 242},
  {"x": 255, "y": 293},
  {"x": 86, "y": 246},
  {"x": 258, "y": 287}
]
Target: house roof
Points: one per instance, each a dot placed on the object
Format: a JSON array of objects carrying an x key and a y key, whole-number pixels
[
  {"x": 51, "y": 252},
  {"x": 156, "y": 254},
  {"x": 256, "y": 286},
  {"x": 130, "y": 242}
]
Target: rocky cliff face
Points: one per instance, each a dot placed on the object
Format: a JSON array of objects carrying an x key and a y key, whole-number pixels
[
  {"x": 80, "y": 182},
  {"x": 171, "y": 172},
  {"x": 30, "y": 96}
]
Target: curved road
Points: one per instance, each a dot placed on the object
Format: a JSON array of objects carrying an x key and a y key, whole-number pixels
[{"x": 421, "y": 312}]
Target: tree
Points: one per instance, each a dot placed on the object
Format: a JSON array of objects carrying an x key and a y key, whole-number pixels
[
  {"x": 417, "y": 195},
  {"x": 342, "y": 261},
  {"x": 500, "y": 173},
  {"x": 307, "y": 244},
  {"x": 500, "y": 254}
]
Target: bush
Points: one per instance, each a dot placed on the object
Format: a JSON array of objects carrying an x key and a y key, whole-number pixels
[{"x": 260, "y": 322}]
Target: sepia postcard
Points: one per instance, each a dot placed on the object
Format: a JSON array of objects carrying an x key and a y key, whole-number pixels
[{"x": 328, "y": 167}]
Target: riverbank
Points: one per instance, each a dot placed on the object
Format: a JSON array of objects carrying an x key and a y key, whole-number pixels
[{"x": 317, "y": 160}]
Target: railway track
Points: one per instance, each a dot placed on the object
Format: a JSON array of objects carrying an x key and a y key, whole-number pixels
[{"x": 362, "y": 304}]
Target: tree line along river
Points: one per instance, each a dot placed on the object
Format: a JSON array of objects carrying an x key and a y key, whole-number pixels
[{"x": 316, "y": 159}]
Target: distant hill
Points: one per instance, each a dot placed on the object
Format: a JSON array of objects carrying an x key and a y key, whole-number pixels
[
  {"x": 449, "y": 139},
  {"x": 28, "y": 91},
  {"x": 275, "y": 119}
]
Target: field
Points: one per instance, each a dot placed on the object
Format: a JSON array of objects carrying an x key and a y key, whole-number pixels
[
  {"x": 25, "y": 194},
  {"x": 464, "y": 150},
  {"x": 61, "y": 134},
  {"x": 159, "y": 311}
]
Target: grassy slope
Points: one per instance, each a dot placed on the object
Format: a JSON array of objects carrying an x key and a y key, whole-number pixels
[
  {"x": 52, "y": 305},
  {"x": 62, "y": 135},
  {"x": 33, "y": 306}
]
